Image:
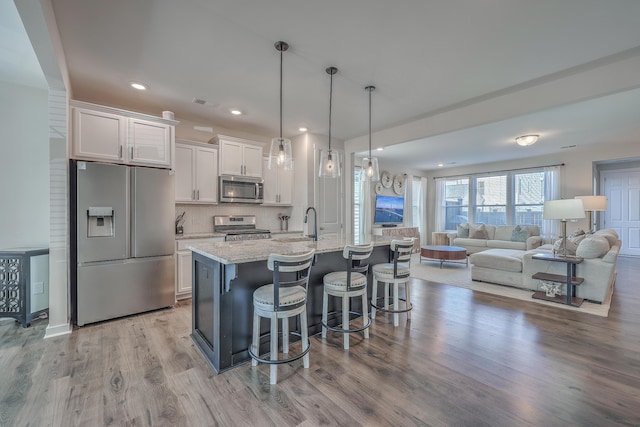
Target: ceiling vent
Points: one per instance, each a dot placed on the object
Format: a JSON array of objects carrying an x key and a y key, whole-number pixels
[{"x": 199, "y": 101}]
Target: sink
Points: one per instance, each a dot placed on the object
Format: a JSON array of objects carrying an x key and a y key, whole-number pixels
[{"x": 292, "y": 239}]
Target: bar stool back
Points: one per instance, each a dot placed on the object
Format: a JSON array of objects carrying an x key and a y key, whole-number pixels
[
  {"x": 348, "y": 284},
  {"x": 395, "y": 272},
  {"x": 282, "y": 299}
]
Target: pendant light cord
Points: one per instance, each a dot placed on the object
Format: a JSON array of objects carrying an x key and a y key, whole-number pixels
[
  {"x": 370, "y": 125},
  {"x": 330, "y": 102},
  {"x": 280, "y": 97}
]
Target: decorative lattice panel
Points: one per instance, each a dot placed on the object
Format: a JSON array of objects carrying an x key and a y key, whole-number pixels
[{"x": 10, "y": 275}]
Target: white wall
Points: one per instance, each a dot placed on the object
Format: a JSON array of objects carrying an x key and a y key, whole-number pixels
[{"x": 24, "y": 166}]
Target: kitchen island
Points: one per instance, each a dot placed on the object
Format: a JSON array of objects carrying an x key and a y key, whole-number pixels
[{"x": 225, "y": 275}]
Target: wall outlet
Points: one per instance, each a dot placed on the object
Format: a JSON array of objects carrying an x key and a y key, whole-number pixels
[{"x": 38, "y": 288}]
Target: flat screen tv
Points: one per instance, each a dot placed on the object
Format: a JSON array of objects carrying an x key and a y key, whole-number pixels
[{"x": 389, "y": 210}]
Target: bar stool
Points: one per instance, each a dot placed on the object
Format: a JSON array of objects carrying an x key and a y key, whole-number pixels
[
  {"x": 348, "y": 284},
  {"x": 395, "y": 272},
  {"x": 282, "y": 300}
]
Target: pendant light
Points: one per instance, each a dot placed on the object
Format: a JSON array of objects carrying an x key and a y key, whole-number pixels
[
  {"x": 370, "y": 171},
  {"x": 280, "y": 151},
  {"x": 329, "y": 161}
]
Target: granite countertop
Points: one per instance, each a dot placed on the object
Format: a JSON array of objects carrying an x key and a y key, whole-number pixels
[{"x": 239, "y": 252}]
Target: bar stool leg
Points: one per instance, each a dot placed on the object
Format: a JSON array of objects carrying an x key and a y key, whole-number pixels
[
  {"x": 396, "y": 316},
  {"x": 345, "y": 321},
  {"x": 285, "y": 335},
  {"x": 407, "y": 288},
  {"x": 273, "y": 379},
  {"x": 325, "y": 310},
  {"x": 386, "y": 296},
  {"x": 305, "y": 337},
  {"x": 365, "y": 315},
  {"x": 255, "y": 343},
  {"x": 374, "y": 298}
]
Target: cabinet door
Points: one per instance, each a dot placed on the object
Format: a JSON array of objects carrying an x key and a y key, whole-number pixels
[
  {"x": 98, "y": 135},
  {"x": 183, "y": 263},
  {"x": 184, "y": 173},
  {"x": 206, "y": 175},
  {"x": 253, "y": 161},
  {"x": 231, "y": 154},
  {"x": 285, "y": 186},
  {"x": 149, "y": 143},
  {"x": 270, "y": 183}
]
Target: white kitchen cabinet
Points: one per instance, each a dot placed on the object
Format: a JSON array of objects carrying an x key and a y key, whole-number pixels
[
  {"x": 278, "y": 185},
  {"x": 196, "y": 169},
  {"x": 183, "y": 264},
  {"x": 239, "y": 156},
  {"x": 118, "y": 136}
]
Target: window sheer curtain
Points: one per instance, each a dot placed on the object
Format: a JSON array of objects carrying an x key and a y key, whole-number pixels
[
  {"x": 551, "y": 228},
  {"x": 418, "y": 193},
  {"x": 441, "y": 203},
  {"x": 364, "y": 234}
]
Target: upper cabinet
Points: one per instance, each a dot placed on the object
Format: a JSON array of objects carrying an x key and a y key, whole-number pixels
[
  {"x": 119, "y": 136},
  {"x": 196, "y": 172},
  {"x": 239, "y": 156},
  {"x": 278, "y": 185}
]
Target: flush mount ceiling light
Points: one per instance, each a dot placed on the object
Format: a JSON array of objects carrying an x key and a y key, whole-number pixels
[
  {"x": 526, "y": 140},
  {"x": 280, "y": 151},
  {"x": 370, "y": 171},
  {"x": 329, "y": 161},
  {"x": 138, "y": 86}
]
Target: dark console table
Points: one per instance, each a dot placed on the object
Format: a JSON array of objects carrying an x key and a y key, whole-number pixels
[
  {"x": 570, "y": 279},
  {"x": 15, "y": 284}
]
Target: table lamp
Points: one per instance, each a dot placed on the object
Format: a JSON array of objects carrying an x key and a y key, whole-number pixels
[
  {"x": 564, "y": 210},
  {"x": 593, "y": 204}
]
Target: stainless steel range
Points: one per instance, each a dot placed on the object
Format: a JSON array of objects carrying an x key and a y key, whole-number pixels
[{"x": 239, "y": 227}]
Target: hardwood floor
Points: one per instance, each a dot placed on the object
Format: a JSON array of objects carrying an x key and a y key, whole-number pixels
[{"x": 464, "y": 359}]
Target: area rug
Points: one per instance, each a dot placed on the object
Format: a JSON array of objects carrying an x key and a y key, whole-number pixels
[{"x": 457, "y": 274}]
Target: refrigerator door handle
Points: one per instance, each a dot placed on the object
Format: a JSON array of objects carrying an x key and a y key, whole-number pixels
[
  {"x": 130, "y": 153},
  {"x": 120, "y": 152}
]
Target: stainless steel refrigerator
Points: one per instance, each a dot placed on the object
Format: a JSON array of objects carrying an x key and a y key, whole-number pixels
[{"x": 124, "y": 240}]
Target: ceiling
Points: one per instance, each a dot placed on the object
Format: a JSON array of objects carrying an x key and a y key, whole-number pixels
[{"x": 424, "y": 56}]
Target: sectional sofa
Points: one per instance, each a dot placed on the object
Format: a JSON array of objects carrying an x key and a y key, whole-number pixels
[
  {"x": 514, "y": 267},
  {"x": 480, "y": 237}
]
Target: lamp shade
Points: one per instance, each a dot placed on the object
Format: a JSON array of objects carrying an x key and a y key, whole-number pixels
[
  {"x": 594, "y": 203},
  {"x": 563, "y": 210}
]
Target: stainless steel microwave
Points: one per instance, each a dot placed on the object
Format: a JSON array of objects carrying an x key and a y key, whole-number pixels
[{"x": 241, "y": 189}]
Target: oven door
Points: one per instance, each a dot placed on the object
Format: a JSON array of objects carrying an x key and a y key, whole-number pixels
[{"x": 240, "y": 189}]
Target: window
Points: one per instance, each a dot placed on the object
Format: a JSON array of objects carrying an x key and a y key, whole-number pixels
[
  {"x": 504, "y": 198},
  {"x": 528, "y": 198},
  {"x": 456, "y": 195},
  {"x": 491, "y": 200}
]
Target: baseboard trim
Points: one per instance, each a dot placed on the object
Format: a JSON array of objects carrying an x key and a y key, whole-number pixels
[{"x": 57, "y": 330}]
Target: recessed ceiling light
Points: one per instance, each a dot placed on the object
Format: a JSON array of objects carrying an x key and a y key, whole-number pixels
[
  {"x": 236, "y": 112},
  {"x": 440, "y": 165},
  {"x": 379, "y": 148},
  {"x": 138, "y": 86},
  {"x": 302, "y": 129}
]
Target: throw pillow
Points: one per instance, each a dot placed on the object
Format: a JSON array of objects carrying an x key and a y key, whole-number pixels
[
  {"x": 577, "y": 239},
  {"x": 478, "y": 232},
  {"x": 611, "y": 237},
  {"x": 578, "y": 232},
  {"x": 463, "y": 230},
  {"x": 520, "y": 234},
  {"x": 593, "y": 246},
  {"x": 571, "y": 247}
]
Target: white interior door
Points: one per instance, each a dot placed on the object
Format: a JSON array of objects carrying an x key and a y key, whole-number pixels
[
  {"x": 330, "y": 199},
  {"x": 622, "y": 188}
]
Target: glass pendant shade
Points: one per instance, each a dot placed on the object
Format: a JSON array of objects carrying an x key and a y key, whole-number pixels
[
  {"x": 329, "y": 164},
  {"x": 370, "y": 170},
  {"x": 280, "y": 155}
]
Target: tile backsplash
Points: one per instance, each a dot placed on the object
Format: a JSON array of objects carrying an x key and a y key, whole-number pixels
[{"x": 199, "y": 218}]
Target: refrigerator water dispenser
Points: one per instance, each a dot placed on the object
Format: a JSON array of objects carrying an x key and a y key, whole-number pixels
[{"x": 99, "y": 222}]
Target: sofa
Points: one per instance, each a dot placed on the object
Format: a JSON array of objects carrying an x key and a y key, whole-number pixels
[
  {"x": 481, "y": 237},
  {"x": 515, "y": 268}
]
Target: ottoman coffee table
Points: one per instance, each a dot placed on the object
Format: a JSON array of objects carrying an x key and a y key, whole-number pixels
[{"x": 444, "y": 253}]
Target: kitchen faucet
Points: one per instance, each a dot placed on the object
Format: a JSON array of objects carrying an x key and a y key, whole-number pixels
[{"x": 315, "y": 222}]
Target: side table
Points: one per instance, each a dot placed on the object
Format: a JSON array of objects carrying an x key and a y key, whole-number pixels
[
  {"x": 23, "y": 272},
  {"x": 570, "y": 280}
]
